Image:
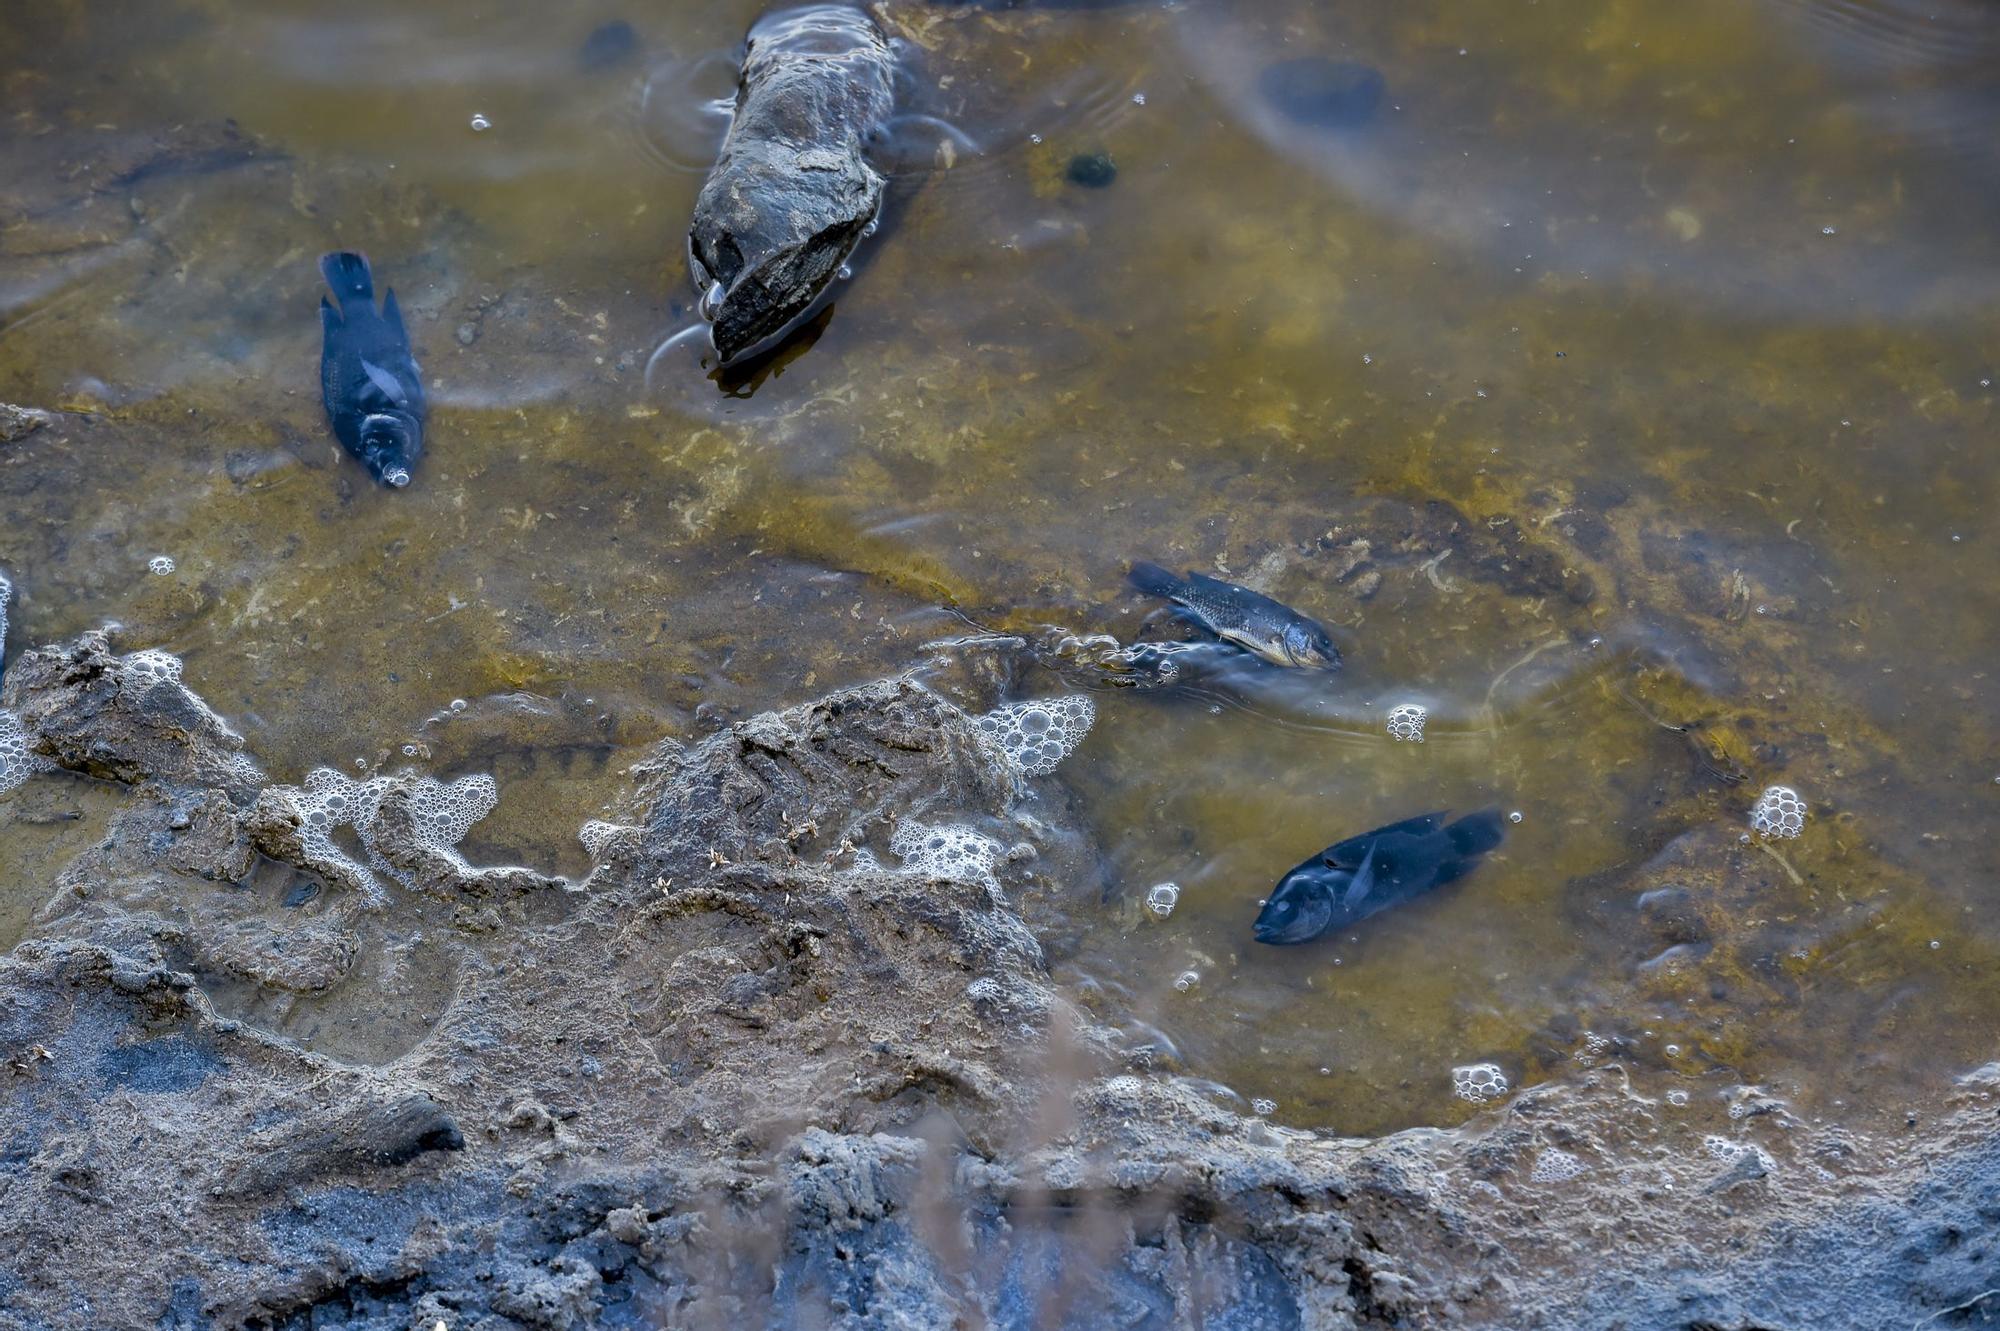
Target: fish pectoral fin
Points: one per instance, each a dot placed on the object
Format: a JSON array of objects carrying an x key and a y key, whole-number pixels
[
  {"x": 1361, "y": 884},
  {"x": 392, "y": 315},
  {"x": 386, "y": 383},
  {"x": 329, "y": 317}
]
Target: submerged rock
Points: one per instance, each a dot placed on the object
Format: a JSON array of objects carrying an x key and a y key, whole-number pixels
[{"x": 793, "y": 191}]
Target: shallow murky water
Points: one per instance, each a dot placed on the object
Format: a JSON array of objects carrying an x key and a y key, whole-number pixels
[{"x": 1619, "y": 381}]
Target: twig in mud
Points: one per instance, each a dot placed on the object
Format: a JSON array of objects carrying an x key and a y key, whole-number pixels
[{"x": 1783, "y": 863}]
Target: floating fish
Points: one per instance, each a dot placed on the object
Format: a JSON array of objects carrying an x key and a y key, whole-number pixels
[
  {"x": 374, "y": 392},
  {"x": 1256, "y": 623},
  {"x": 1374, "y": 871},
  {"x": 793, "y": 191}
]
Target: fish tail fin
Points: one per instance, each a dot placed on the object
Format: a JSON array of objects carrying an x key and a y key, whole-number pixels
[
  {"x": 1153, "y": 580},
  {"x": 1476, "y": 833},
  {"x": 347, "y": 273}
]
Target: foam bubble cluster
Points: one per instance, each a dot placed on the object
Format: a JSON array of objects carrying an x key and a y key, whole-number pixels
[
  {"x": 442, "y": 814},
  {"x": 1478, "y": 1082},
  {"x": 1263, "y": 1107},
  {"x": 1161, "y": 897},
  {"x": 1406, "y": 722},
  {"x": 951, "y": 852},
  {"x": 1040, "y": 733},
  {"x": 1553, "y": 1166},
  {"x": 17, "y": 764},
  {"x": 155, "y": 666},
  {"x": 597, "y": 834},
  {"x": 1779, "y": 812}
]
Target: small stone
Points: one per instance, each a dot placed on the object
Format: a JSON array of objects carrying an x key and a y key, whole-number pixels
[
  {"x": 467, "y": 334},
  {"x": 1367, "y": 584},
  {"x": 19, "y": 422},
  {"x": 1091, "y": 170}
]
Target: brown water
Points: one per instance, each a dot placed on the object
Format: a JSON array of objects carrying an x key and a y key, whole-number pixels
[{"x": 1650, "y": 348}]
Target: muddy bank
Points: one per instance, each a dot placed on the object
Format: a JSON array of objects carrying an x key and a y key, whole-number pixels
[{"x": 744, "y": 1071}]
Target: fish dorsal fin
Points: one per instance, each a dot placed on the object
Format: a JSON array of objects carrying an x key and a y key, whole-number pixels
[
  {"x": 1347, "y": 854},
  {"x": 392, "y": 314},
  {"x": 1363, "y": 882},
  {"x": 386, "y": 382}
]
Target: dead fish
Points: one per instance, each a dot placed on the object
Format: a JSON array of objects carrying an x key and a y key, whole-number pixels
[
  {"x": 374, "y": 392},
  {"x": 793, "y": 190},
  {"x": 1254, "y": 622},
  {"x": 1355, "y": 878}
]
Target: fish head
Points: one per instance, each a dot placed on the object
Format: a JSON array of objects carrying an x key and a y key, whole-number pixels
[
  {"x": 391, "y": 443},
  {"x": 1308, "y": 646},
  {"x": 1301, "y": 907}
]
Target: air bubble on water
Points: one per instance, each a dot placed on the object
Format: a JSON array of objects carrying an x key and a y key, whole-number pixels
[
  {"x": 1037, "y": 735},
  {"x": 480, "y": 123},
  {"x": 1779, "y": 812},
  {"x": 1263, "y": 1107},
  {"x": 1677, "y": 1098},
  {"x": 1826, "y": 231},
  {"x": 409, "y": 750},
  {"x": 873, "y": 226},
  {"x": 1673, "y": 1051},
  {"x": 1515, "y": 816},
  {"x": 1478, "y": 1082},
  {"x": 1034, "y": 138},
  {"x": 952, "y": 853},
  {"x": 1138, "y": 99},
  {"x": 1936, "y": 944},
  {"x": 458, "y": 704},
  {"x": 1187, "y": 980},
  {"x": 1161, "y": 898},
  {"x": 1554, "y": 1166},
  {"x": 161, "y": 565},
  {"x": 1367, "y": 359},
  {"x": 844, "y": 272},
  {"x": 1406, "y": 722}
]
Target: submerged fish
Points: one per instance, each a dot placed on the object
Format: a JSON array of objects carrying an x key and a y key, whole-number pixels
[
  {"x": 374, "y": 392},
  {"x": 793, "y": 191},
  {"x": 1256, "y": 623},
  {"x": 1361, "y": 875}
]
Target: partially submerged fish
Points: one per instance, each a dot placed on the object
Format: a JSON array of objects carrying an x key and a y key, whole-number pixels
[
  {"x": 1371, "y": 872},
  {"x": 1256, "y": 623},
  {"x": 373, "y": 390},
  {"x": 792, "y": 192}
]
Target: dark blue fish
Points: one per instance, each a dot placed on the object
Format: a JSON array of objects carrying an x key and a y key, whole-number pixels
[
  {"x": 1374, "y": 871},
  {"x": 374, "y": 392},
  {"x": 1254, "y": 622}
]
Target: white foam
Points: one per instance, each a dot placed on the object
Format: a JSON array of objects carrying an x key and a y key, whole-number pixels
[
  {"x": 597, "y": 835},
  {"x": 1037, "y": 735},
  {"x": 443, "y": 814},
  {"x": 17, "y": 764},
  {"x": 1553, "y": 1166},
  {"x": 1478, "y": 1082},
  {"x": 1779, "y": 812},
  {"x": 1406, "y": 722},
  {"x": 952, "y": 852}
]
